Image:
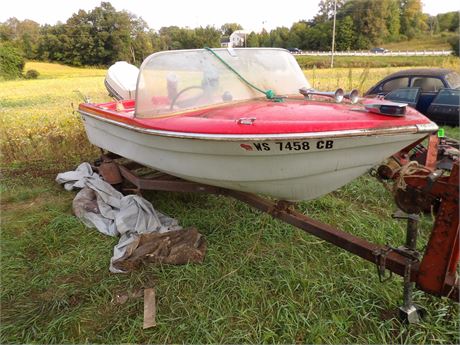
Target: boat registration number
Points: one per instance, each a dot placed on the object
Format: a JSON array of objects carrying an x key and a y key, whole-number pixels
[{"x": 289, "y": 146}]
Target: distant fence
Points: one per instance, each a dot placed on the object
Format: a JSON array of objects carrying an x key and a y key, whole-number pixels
[{"x": 388, "y": 53}]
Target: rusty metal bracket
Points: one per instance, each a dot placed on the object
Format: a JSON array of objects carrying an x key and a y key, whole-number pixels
[
  {"x": 380, "y": 262},
  {"x": 431, "y": 179}
]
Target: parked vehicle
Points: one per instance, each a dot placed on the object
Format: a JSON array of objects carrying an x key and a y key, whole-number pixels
[
  {"x": 419, "y": 87},
  {"x": 294, "y": 50},
  {"x": 444, "y": 108},
  {"x": 430, "y": 80},
  {"x": 379, "y": 50}
]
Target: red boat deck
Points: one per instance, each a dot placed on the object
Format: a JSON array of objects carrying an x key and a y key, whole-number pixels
[{"x": 290, "y": 116}]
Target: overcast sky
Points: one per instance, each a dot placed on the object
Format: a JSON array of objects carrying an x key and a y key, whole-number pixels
[{"x": 251, "y": 14}]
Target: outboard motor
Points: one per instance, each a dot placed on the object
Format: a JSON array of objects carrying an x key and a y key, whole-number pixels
[{"x": 121, "y": 79}]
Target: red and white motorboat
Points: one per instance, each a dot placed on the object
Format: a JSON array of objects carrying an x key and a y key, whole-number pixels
[{"x": 234, "y": 118}]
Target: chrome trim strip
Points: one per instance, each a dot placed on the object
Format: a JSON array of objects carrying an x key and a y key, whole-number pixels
[
  {"x": 424, "y": 128},
  {"x": 427, "y": 127}
]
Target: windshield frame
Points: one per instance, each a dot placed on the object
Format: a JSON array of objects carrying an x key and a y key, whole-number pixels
[
  {"x": 289, "y": 68},
  {"x": 453, "y": 79}
]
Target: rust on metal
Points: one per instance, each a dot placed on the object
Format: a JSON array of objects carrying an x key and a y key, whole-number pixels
[
  {"x": 388, "y": 170},
  {"x": 442, "y": 253},
  {"x": 166, "y": 183},
  {"x": 110, "y": 172},
  {"x": 432, "y": 153}
]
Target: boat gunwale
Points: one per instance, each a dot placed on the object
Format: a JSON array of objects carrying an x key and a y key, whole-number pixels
[{"x": 422, "y": 128}]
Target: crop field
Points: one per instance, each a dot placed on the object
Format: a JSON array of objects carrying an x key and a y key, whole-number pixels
[
  {"x": 261, "y": 281},
  {"x": 380, "y": 61},
  {"x": 435, "y": 42}
]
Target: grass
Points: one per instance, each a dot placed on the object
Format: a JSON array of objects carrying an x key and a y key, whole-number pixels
[
  {"x": 308, "y": 62},
  {"x": 38, "y": 117},
  {"x": 261, "y": 281},
  {"x": 435, "y": 42}
]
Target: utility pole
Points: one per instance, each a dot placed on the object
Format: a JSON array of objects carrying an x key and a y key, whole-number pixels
[{"x": 333, "y": 35}]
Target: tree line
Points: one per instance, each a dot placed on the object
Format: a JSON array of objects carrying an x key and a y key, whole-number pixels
[{"x": 104, "y": 35}]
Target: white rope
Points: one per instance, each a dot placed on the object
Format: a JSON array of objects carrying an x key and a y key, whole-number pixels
[{"x": 411, "y": 169}]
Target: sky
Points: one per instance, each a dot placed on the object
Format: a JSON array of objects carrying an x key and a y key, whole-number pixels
[{"x": 253, "y": 15}]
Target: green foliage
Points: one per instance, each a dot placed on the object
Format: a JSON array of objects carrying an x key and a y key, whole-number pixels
[
  {"x": 279, "y": 37},
  {"x": 104, "y": 35},
  {"x": 173, "y": 37},
  {"x": 11, "y": 62},
  {"x": 24, "y": 35},
  {"x": 454, "y": 42},
  {"x": 345, "y": 34},
  {"x": 228, "y": 28},
  {"x": 448, "y": 21},
  {"x": 32, "y": 74},
  {"x": 412, "y": 18},
  {"x": 326, "y": 10},
  {"x": 253, "y": 40}
]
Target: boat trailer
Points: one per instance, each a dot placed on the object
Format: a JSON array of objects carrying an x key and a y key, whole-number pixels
[{"x": 417, "y": 188}]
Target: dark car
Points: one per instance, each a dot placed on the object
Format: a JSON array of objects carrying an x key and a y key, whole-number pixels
[
  {"x": 429, "y": 80},
  {"x": 379, "y": 50},
  {"x": 294, "y": 50},
  {"x": 444, "y": 107}
]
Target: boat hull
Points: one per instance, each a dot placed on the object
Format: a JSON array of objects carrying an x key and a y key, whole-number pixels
[{"x": 291, "y": 167}]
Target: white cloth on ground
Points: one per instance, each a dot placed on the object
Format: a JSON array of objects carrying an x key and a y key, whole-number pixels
[{"x": 115, "y": 214}]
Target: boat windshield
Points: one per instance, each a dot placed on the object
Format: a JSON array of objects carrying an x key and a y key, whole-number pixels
[{"x": 176, "y": 81}]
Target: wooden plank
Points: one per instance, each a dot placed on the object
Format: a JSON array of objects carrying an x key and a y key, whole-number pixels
[{"x": 149, "y": 308}]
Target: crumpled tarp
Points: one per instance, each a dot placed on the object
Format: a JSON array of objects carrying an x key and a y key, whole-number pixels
[{"x": 100, "y": 205}]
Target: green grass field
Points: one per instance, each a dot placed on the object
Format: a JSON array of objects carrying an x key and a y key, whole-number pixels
[
  {"x": 324, "y": 62},
  {"x": 435, "y": 42},
  {"x": 262, "y": 280}
]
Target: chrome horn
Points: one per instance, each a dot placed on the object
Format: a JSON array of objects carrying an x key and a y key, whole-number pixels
[
  {"x": 338, "y": 95},
  {"x": 353, "y": 96}
]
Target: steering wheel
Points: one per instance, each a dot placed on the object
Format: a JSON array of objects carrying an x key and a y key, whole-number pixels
[{"x": 176, "y": 97}]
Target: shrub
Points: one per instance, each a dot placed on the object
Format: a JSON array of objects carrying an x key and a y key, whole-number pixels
[
  {"x": 454, "y": 42},
  {"x": 32, "y": 74},
  {"x": 11, "y": 62}
]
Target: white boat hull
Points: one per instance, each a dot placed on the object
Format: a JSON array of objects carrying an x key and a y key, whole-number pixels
[{"x": 274, "y": 166}]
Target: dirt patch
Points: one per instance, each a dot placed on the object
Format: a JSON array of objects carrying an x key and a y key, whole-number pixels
[{"x": 388, "y": 314}]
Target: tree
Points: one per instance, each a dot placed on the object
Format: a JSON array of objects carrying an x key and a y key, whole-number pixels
[
  {"x": 412, "y": 19},
  {"x": 319, "y": 36},
  {"x": 24, "y": 35},
  {"x": 298, "y": 35},
  {"x": 371, "y": 20},
  {"x": 141, "y": 44},
  {"x": 454, "y": 42},
  {"x": 52, "y": 43},
  {"x": 326, "y": 10},
  {"x": 448, "y": 21},
  {"x": 345, "y": 34},
  {"x": 11, "y": 62},
  {"x": 433, "y": 24},
  {"x": 228, "y": 28},
  {"x": 392, "y": 19},
  {"x": 253, "y": 40},
  {"x": 279, "y": 37},
  {"x": 207, "y": 37},
  {"x": 264, "y": 39}
]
